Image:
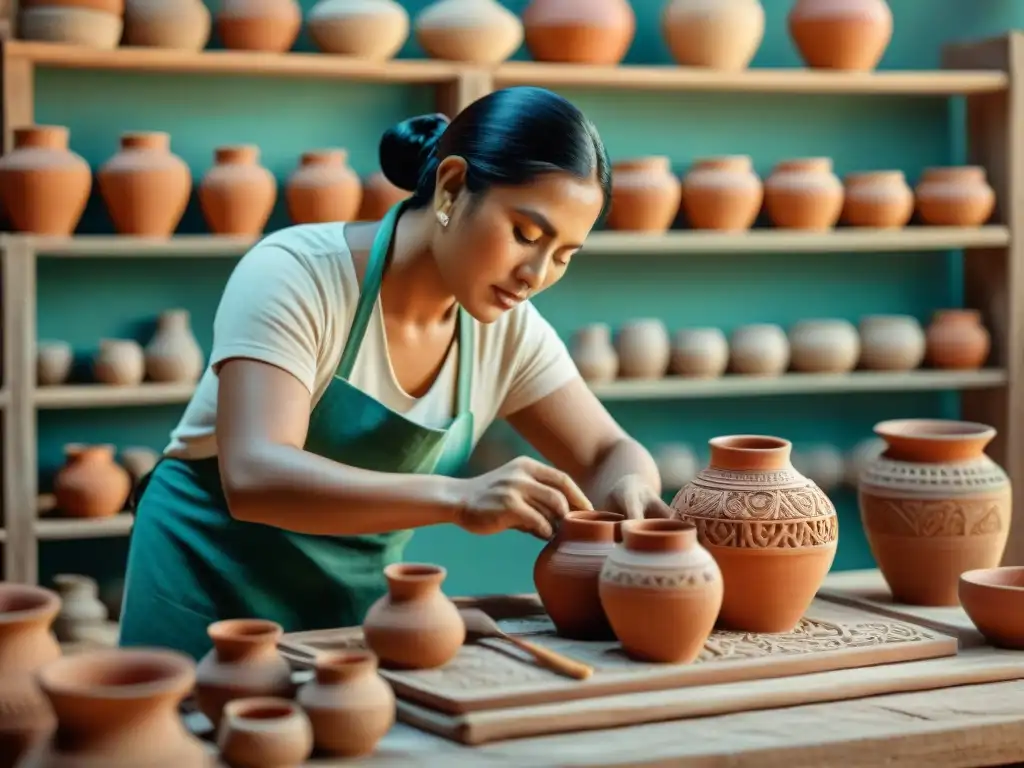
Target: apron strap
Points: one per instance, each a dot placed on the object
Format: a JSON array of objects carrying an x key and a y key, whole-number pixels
[{"x": 464, "y": 386}]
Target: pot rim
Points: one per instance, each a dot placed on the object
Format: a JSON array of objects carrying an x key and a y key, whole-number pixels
[{"x": 979, "y": 578}]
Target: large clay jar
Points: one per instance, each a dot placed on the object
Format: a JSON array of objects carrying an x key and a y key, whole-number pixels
[
  {"x": 701, "y": 353},
  {"x": 91, "y": 483},
  {"x": 26, "y": 644},
  {"x": 119, "y": 362},
  {"x": 957, "y": 339},
  {"x": 44, "y": 186},
  {"x": 824, "y": 346},
  {"x": 722, "y": 193},
  {"x": 804, "y": 194},
  {"x": 264, "y": 732},
  {"x": 645, "y": 195},
  {"x": 144, "y": 186},
  {"x": 323, "y": 188},
  {"x": 841, "y": 34},
  {"x": 270, "y": 26},
  {"x": 661, "y": 591},
  {"x": 92, "y": 24},
  {"x": 237, "y": 194},
  {"x": 759, "y": 349},
  {"x": 579, "y": 31},
  {"x": 243, "y": 662},
  {"x": 350, "y": 706},
  {"x": 53, "y": 362},
  {"x": 474, "y": 31},
  {"x": 891, "y": 343},
  {"x": 567, "y": 571},
  {"x": 720, "y": 34},
  {"x": 772, "y": 531},
  {"x": 379, "y": 196},
  {"x": 365, "y": 29},
  {"x": 933, "y": 506},
  {"x": 594, "y": 354},
  {"x": 955, "y": 197},
  {"x": 173, "y": 354},
  {"x": 881, "y": 199},
  {"x": 81, "y": 611},
  {"x": 182, "y": 25},
  {"x": 644, "y": 349}
]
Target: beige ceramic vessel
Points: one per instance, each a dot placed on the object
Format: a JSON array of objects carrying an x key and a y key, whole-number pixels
[
  {"x": 474, "y": 31},
  {"x": 594, "y": 353},
  {"x": 824, "y": 346},
  {"x": 644, "y": 349},
  {"x": 365, "y": 29},
  {"x": 759, "y": 349},
  {"x": 719, "y": 34},
  {"x": 701, "y": 353},
  {"x": 891, "y": 342}
]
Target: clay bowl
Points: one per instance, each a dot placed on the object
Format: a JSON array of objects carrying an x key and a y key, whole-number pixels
[{"x": 994, "y": 601}]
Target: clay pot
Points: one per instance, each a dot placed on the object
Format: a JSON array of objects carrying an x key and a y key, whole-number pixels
[
  {"x": 264, "y": 732},
  {"x": 955, "y": 197},
  {"x": 720, "y": 34},
  {"x": 661, "y": 591},
  {"x": 881, "y": 199},
  {"x": 139, "y": 462},
  {"x": 644, "y": 349},
  {"x": 933, "y": 506},
  {"x": 992, "y": 599},
  {"x": 579, "y": 31},
  {"x": 891, "y": 343},
  {"x": 53, "y": 362},
  {"x": 841, "y": 34},
  {"x": 365, "y": 29},
  {"x": 414, "y": 626},
  {"x": 259, "y": 25},
  {"x": 173, "y": 354},
  {"x": 81, "y": 609},
  {"x": 956, "y": 339},
  {"x": 44, "y": 186},
  {"x": 677, "y": 465},
  {"x": 823, "y": 465},
  {"x": 182, "y": 25},
  {"x": 237, "y": 194},
  {"x": 474, "y": 31},
  {"x": 722, "y": 193},
  {"x": 645, "y": 195},
  {"x": 323, "y": 188},
  {"x": 824, "y": 346},
  {"x": 96, "y": 24},
  {"x": 350, "y": 706},
  {"x": 243, "y": 662},
  {"x": 804, "y": 194},
  {"x": 701, "y": 353},
  {"x": 567, "y": 570},
  {"x": 759, "y": 349},
  {"x": 91, "y": 484},
  {"x": 379, "y": 195},
  {"x": 119, "y": 362},
  {"x": 772, "y": 531},
  {"x": 594, "y": 354},
  {"x": 144, "y": 186}
]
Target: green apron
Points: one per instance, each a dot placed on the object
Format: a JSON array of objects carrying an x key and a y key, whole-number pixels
[{"x": 190, "y": 563}]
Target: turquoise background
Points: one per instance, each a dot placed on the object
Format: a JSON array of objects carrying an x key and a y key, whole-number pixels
[{"x": 81, "y": 300}]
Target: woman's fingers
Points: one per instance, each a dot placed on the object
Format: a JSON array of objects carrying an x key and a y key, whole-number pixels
[
  {"x": 561, "y": 482},
  {"x": 533, "y": 522}
]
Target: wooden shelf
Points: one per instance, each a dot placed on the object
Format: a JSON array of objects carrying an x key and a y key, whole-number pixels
[
  {"x": 56, "y": 528},
  {"x": 117, "y": 246},
  {"x": 107, "y": 396}
]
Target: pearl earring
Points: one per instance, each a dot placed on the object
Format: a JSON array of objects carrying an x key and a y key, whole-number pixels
[{"x": 443, "y": 218}]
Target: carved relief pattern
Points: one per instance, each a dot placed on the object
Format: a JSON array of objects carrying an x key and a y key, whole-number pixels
[
  {"x": 928, "y": 518},
  {"x": 659, "y": 579},
  {"x": 968, "y": 477}
]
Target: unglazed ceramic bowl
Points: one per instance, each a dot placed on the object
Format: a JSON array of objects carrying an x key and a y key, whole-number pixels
[{"x": 994, "y": 601}]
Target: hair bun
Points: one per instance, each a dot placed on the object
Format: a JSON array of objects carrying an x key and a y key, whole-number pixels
[{"x": 405, "y": 149}]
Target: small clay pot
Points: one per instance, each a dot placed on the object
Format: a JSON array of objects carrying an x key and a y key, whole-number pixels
[
  {"x": 81, "y": 609},
  {"x": 645, "y": 195},
  {"x": 474, "y": 31},
  {"x": 956, "y": 339},
  {"x": 365, "y": 29},
  {"x": 182, "y": 25},
  {"x": 91, "y": 484},
  {"x": 723, "y": 34},
  {"x": 644, "y": 349},
  {"x": 594, "y": 354},
  {"x": 881, "y": 199},
  {"x": 804, "y": 194},
  {"x": 955, "y": 197},
  {"x": 759, "y": 349},
  {"x": 701, "y": 353},
  {"x": 53, "y": 363},
  {"x": 237, "y": 194},
  {"x": 89, "y": 25},
  {"x": 270, "y": 26},
  {"x": 323, "y": 188},
  {"x": 173, "y": 355},
  {"x": 891, "y": 343},
  {"x": 579, "y": 31},
  {"x": 264, "y": 732},
  {"x": 994, "y": 600},
  {"x": 841, "y": 34},
  {"x": 722, "y": 193},
  {"x": 119, "y": 362},
  {"x": 824, "y": 346}
]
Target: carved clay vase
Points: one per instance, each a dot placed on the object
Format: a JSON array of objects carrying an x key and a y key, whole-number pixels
[
  {"x": 645, "y": 195},
  {"x": 44, "y": 186},
  {"x": 173, "y": 354},
  {"x": 237, "y": 194},
  {"x": 365, "y": 29},
  {"x": 474, "y": 31},
  {"x": 722, "y": 193},
  {"x": 933, "y": 506},
  {"x": 139, "y": 461},
  {"x": 26, "y": 644},
  {"x": 81, "y": 609},
  {"x": 881, "y": 199},
  {"x": 350, "y": 706},
  {"x": 720, "y": 34},
  {"x": 144, "y": 186},
  {"x": 91, "y": 484},
  {"x": 579, "y": 31},
  {"x": 661, "y": 590},
  {"x": 93, "y": 24},
  {"x": 804, "y": 194},
  {"x": 379, "y": 195},
  {"x": 594, "y": 354},
  {"x": 955, "y": 197},
  {"x": 772, "y": 531},
  {"x": 841, "y": 34},
  {"x": 700, "y": 353},
  {"x": 264, "y": 732},
  {"x": 182, "y": 25},
  {"x": 759, "y": 349},
  {"x": 53, "y": 362},
  {"x": 567, "y": 570},
  {"x": 644, "y": 349},
  {"x": 822, "y": 464},
  {"x": 270, "y": 26},
  {"x": 243, "y": 662},
  {"x": 323, "y": 188},
  {"x": 824, "y": 346},
  {"x": 119, "y": 362},
  {"x": 414, "y": 626},
  {"x": 891, "y": 343},
  {"x": 956, "y": 339},
  {"x": 677, "y": 465}
]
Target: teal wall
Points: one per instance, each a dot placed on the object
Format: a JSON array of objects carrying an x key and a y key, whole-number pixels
[{"x": 82, "y": 300}]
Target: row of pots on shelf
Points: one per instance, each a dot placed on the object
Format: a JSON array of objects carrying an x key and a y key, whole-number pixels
[{"x": 91, "y": 484}]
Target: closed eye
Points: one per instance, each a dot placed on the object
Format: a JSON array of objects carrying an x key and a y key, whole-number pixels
[{"x": 522, "y": 238}]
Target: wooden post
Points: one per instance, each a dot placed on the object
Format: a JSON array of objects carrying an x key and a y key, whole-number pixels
[{"x": 469, "y": 86}]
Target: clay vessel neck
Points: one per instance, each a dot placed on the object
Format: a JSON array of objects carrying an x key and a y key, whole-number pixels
[
  {"x": 24, "y": 611},
  {"x": 876, "y": 177},
  {"x": 71, "y": 586},
  {"x": 243, "y": 155},
  {"x": 934, "y": 441},
  {"x": 42, "y": 137},
  {"x": 805, "y": 165},
  {"x": 965, "y": 174},
  {"x": 958, "y": 316},
  {"x": 158, "y": 141},
  {"x": 239, "y": 640},
  {"x": 598, "y": 332},
  {"x": 659, "y": 164},
  {"x": 173, "y": 320},
  {"x": 344, "y": 666},
  {"x": 730, "y": 163},
  {"x": 90, "y": 454},
  {"x": 332, "y": 157},
  {"x": 413, "y": 581},
  {"x": 594, "y": 527},
  {"x": 658, "y": 536},
  {"x": 750, "y": 453}
]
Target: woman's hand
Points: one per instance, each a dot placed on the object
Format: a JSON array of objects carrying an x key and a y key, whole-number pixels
[{"x": 633, "y": 497}]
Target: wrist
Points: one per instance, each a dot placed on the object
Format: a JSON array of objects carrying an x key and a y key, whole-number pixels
[{"x": 449, "y": 497}]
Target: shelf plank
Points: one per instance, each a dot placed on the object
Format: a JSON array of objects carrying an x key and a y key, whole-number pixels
[
  {"x": 56, "y": 529},
  {"x": 118, "y": 246},
  {"x": 107, "y": 396}
]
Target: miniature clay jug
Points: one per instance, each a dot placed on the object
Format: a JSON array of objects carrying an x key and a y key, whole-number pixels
[
  {"x": 579, "y": 31},
  {"x": 841, "y": 34},
  {"x": 350, "y": 706},
  {"x": 475, "y": 31},
  {"x": 719, "y": 34},
  {"x": 722, "y": 193},
  {"x": 364, "y": 29},
  {"x": 891, "y": 343},
  {"x": 181, "y": 25},
  {"x": 91, "y": 483},
  {"x": 414, "y": 626},
  {"x": 772, "y": 531},
  {"x": 933, "y": 506},
  {"x": 53, "y": 362},
  {"x": 119, "y": 362},
  {"x": 144, "y": 186},
  {"x": 700, "y": 353},
  {"x": 264, "y": 732},
  {"x": 956, "y": 339},
  {"x": 270, "y": 26},
  {"x": 237, "y": 194},
  {"x": 829, "y": 345},
  {"x": 44, "y": 186},
  {"x": 804, "y": 194},
  {"x": 881, "y": 199},
  {"x": 661, "y": 590},
  {"x": 81, "y": 609},
  {"x": 954, "y": 197},
  {"x": 173, "y": 354},
  {"x": 645, "y": 195},
  {"x": 759, "y": 349},
  {"x": 379, "y": 195},
  {"x": 677, "y": 465},
  {"x": 323, "y": 188},
  {"x": 644, "y": 349},
  {"x": 94, "y": 24},
  {"x": 594, "y": 354},
  {"x": 567, "y": 570}
]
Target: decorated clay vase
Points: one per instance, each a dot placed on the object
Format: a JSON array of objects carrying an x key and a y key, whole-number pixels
[
  {"x": 891, "y": 343},
  {"x": 804, "y": 194},
  {"x": 323, "y": 188},
  {"x": 841, "y": 34},
  {"x": 759, "y": 349},
  {"x": 954, "y": 197},
  {"x": 722, "y": 193},
  {"x": 645, "y": 195},
  {"x": 237, "y": 194},
  {"x": 119, "y": 362},
  {"x": 173, "y": 355},
  {"x": 53, "y": 362},
  {"x": 772, "y": 531},
  {"x": 956, "y": 339},
  {"x": 644, "y": 349},
  {"x": 579, "y": 31},
  {"x": 364, "y": 29},
  {"x": 81, "y": 609},
  {"x": 474, "y": 31},
  {"x": 880, "y": 199},
  {"x": 92, "y": 24},
  {"x": 933, "y": 506},
  {"x": 270, "y": 26},
  {"x": 720, "y": 34},
  {"x": 824, "y": 346},
  {"x": 379, "y": 195},
  {"x": 182, "y": 25},
  {"x": 264, "y": 731},
  {"x": 661, "y": 590},
  {"x": 91, "y": 484},
  {"x": 594, "y": 354},
  {"x": 700, "y": 353}
]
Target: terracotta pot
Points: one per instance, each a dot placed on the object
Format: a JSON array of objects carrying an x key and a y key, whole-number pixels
[
  {"x": 90, "y": 26},
  {"x": 823, "y": 465},
  {"x": 579, "y": 31},
  {"x": 144, "y": 186},
  {"x": 720, "y": 34},
  {"x": 379, "y": 195},
  {"x": 474, "y": 31},
  {"x": 677, "y": 465},
  {"x": 824, "y": 346},
  {"x": 891, "y": 343},
  {"x": 182, "y": 25},
  {"x": 804, "y": 194},
  {"x": 414, "y": 626},
  {"x": 237, "y": 194},
  {"x": 91, "y": 484},
  {"x": 44, "y": 186},
  {"x": 772, "y": 531},
  {"x": 933, "y": 506},
  {"x": 119, "y": 362},
  {"x": 81, "y": 609},
  {"x": 323, "y": 188},
  {"x": 53, "y": 362},
  {"x": 841, "y": 34},
  {"x": 139, "y": 461},
  {"x": 365, "y": 29},
  {"x": 259, "y": 25},
  {"x": 350, "y": 706},
  {"x": 759, "y": 349},
  {"x": 264, "y": 732},
  {"x": 955, "y": 197},
  {"x": 645, "y": 195},
  {"x": 722, "y": 193},
  {"x": 701, "y": 353},
  {"x": 881, "y": 199},
  {"x": 661, "y": 590},
  {"x": 644, "y": 349},
  {"x": 594, "y": 354},
  {"x": 956, "y": 339},
  {"x": 173, "y": 354}
]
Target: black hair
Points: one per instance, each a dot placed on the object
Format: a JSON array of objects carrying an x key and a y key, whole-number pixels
[{"x": 508, "y": 137}]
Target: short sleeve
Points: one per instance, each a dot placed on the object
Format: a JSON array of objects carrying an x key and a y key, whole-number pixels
[{"x": 540, "y": 361}]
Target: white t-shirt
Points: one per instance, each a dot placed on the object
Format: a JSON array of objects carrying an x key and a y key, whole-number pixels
[{"x": 290, "y": 302}]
